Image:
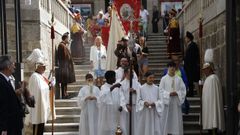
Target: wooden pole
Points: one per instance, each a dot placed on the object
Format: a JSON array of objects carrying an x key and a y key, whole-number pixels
[
  {"x": 201, "y": 63},
  {"x": 53, "y": 63},
  {"x": 131, "y": 77}
]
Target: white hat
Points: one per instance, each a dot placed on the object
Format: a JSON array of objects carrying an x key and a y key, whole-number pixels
[
  {"x": 208, "y": 57},
  {"x": 37, "y": 57}
]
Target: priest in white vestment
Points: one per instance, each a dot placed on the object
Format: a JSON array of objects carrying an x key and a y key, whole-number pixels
[
  {"x": 125, "y": 88},
  {"x": 124, "y": 63},
  {"x": 109, "y": 103},
  {"x": 87, "y": 100},
  {"x": 39, "y": 88},
  {"x": 173, "y": 91},
  {"x": 212, "y": 101},
  {"x": 149, "y": 108}
]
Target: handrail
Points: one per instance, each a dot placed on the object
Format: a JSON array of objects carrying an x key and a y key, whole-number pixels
[{"x": 60, "y": 11}]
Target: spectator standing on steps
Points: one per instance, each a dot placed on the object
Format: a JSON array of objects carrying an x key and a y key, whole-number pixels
[
  {"x": 155, "y": 19},
  {"x": 66, "y": 73},
  {"x": 98, "y": 59},
  {"x": 144, "y": 18},
  {"x": 191, "y": 63}
]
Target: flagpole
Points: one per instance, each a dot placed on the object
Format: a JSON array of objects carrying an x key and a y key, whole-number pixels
[{"x": 52, "y": 87}]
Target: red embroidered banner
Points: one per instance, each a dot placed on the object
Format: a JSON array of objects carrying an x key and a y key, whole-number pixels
[{"x": 122, "y": 6}]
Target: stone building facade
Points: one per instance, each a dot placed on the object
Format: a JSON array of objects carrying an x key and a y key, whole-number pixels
[
  {"x": 213, "y": 13},
  {"x": 35, "y": 28},
  {"x": 215, "y": 30}
]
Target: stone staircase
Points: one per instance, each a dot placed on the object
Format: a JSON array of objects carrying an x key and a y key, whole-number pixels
[{"x": 68, "y": 113}]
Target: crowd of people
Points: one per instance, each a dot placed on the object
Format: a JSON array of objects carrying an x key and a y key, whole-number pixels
[{"x": 105, "y": 101}]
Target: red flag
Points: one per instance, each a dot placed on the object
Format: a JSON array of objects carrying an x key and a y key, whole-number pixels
[
  {"x": 105, "y": 35},
  {"x": 135, "y": 5},
  {"x": 52, "y": 33}
]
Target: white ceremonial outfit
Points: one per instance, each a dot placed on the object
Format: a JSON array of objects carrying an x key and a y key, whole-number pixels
[
  {"x": 109, "y": 103},
  {"x": 212, "y": 104},
  {"x": 89, "y": 110},
  {"x": 39, "y": 88},
  {"x": 120, "y": 72},
  {"x": 125, "y": 114},
  {"x": 149, "y": 118},
  {"x": 94, "y": 57},
  {"x": 172, "y": 114}
]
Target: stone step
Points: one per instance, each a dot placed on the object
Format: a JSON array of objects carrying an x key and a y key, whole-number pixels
[
  {"x": 194, "y": 109},
  {"x": 160, "y": 42},
  {"x": 86, "y": 67},
  {"x": 66, "y": 119},
  {"x": 194, "y": 132},
  {"x": 62, "y": 127},
  {"x": 158, "y": 61},
  {"x": 74, "y": 87},
  {"x": 79, "y": 82},
  {"x": 66, "y": 103},
  {"x": 192, "y": 125},
  {"x": 191, "y": 117},
  {"x": 194, "y": 100},
  {"x": 80, "y": 77},
  {"x": 164, "y": 57},
  {"x": 62, "y": 133},
  {"x": 68, "y": 110},
  {"x": 152, "y": 50},
  {"x": 81, "y": 71},
  {"x": 157, "y": 39},
  {"x": 73, "y": 93},
  {"x": 189, "y": 127}
]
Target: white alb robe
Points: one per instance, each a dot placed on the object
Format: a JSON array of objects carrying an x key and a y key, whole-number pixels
[
  {"x": 109, "y": 103},
  {"x": 172, "y": 114},
  {"x": 89, "y": 110},
  {"x": 120, "y": 72},
  {"x": 125, "y": 114},
  {"x": 212, "y": 104},
  {"x": 39, "y": 88},
  {"x": 149, "y": 118}
]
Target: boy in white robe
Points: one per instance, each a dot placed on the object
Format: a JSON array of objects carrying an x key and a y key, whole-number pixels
[
  {"x": 212, "y": 102},
  {"x": 87, "y": 100},
  {"x": 173, "y": 91},
  {"x": 149, "y": 108},
  {"x": 109, "y": 104},
  {"x": 125, "y": 88}
]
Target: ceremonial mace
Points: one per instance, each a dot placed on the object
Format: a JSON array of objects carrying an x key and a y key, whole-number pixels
[
  {"x": 131, "y": 44},
  {"x": 52, "y": 23}
]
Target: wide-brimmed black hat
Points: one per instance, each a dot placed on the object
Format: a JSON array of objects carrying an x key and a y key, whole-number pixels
[{"x": 189, "y": 35}]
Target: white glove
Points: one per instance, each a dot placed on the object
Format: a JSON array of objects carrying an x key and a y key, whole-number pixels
[
  {"x": 53, "y": 81},
  {"x": 165, "y": 31}
]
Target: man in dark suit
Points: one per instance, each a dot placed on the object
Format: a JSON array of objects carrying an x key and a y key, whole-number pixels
[
  {"x": 191, "y": 63},
  {"x": 11, "y": 112}
]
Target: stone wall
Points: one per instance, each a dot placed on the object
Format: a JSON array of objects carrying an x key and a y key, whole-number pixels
[
  {"x": 214, "y": 29},
  {"x": 35, "y": 28}
]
